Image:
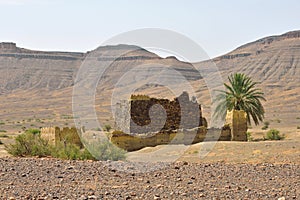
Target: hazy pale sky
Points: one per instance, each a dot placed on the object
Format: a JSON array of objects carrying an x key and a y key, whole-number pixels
[{"x": 70, "y": 25}]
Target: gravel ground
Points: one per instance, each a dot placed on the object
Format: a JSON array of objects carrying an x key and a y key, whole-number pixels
[{"x": 47, "y": 178}]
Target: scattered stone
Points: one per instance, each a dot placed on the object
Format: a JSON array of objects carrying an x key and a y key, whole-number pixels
[
  {"x": 70, "y": 167},
  {"x": 93, "y": 180},
  {"x": 133, "y": 194},
  {"x": 185, "y": 163},
  {"x": 201, "y": 195}
]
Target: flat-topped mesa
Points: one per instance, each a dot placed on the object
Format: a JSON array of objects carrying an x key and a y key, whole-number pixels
[
  {"x": 270, "y": 39},
  {"x": 292, "y": 34},
  {"x": 8, "y": 47}
]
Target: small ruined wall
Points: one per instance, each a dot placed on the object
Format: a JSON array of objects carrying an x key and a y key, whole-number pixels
[
  {"x": 189, "y": 136},
  {"x": 55, "y": 135},
  {"x": 237, "y": 121},
  {"x": 48, "y": 133},
  {"x": 139, "y": 141}
]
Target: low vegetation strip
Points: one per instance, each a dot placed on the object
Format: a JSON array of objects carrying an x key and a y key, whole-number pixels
[{"x": 31, "y": 143}]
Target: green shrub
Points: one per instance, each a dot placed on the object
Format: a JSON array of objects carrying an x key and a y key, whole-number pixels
[
  {"x": 266, "y": 125},
  {"x": 117, "y": 132},
  {"x": 4, "y": 136},
  {"x": 1, "y": 142},
  {"x": 249, "y": 138},
  {"x": 105, "y": 150},
  {"x": 29, "y": 144},
  {"x": 33, "y": 131},
  {"x": 66, "y": 117},
  {"x": 3, "y": 131},
  {"x": 274, "y": 134},
  {"x": 70, "y": 152},
  {"x": 107, "y": 127},
  {"x": 2, "y": 123}
]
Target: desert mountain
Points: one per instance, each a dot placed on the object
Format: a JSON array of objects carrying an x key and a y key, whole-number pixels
[
  {"x": 274, "y": 62},
  {"x": 36, "y": 87}
]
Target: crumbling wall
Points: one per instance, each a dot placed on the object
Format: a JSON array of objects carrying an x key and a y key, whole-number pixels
[
  {"x": 131, "y": 142},
  {"x": 237, "y": 121},
  {"x": 48, "y": 133},
  {"x": 181, "y": 113},
  {"x": 122, "y": 116},
  {"x": 66, "y": 135}
]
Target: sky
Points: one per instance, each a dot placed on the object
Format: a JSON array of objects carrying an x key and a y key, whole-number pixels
[{"x": 80, "y": 26}]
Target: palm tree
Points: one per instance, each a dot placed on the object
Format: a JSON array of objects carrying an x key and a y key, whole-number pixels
[{"x": 241, "y": 94}]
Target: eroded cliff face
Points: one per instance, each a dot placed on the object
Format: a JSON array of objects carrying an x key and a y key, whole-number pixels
[
  {"x": 28, "y": 69},
  {"x": 25, "y": 69}
]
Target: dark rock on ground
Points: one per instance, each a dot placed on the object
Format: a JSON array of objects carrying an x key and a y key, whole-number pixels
[{"x": 46, "y": 178}]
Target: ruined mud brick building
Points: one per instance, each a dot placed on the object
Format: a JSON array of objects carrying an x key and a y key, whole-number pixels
[
  {"x": 181, "y": 113},
  {"x": 134, "y": 116},
  {"x": 178, "y": 121},
  {"x": 182, "y": 123}
]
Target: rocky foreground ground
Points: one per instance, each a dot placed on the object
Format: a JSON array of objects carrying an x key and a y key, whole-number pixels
[{"x": 47, "y": 178}]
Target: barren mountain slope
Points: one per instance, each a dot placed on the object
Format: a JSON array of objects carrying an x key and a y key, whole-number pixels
[
  {"x": 36, "y": 87},
  {"x": 274, "y": 62}
]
